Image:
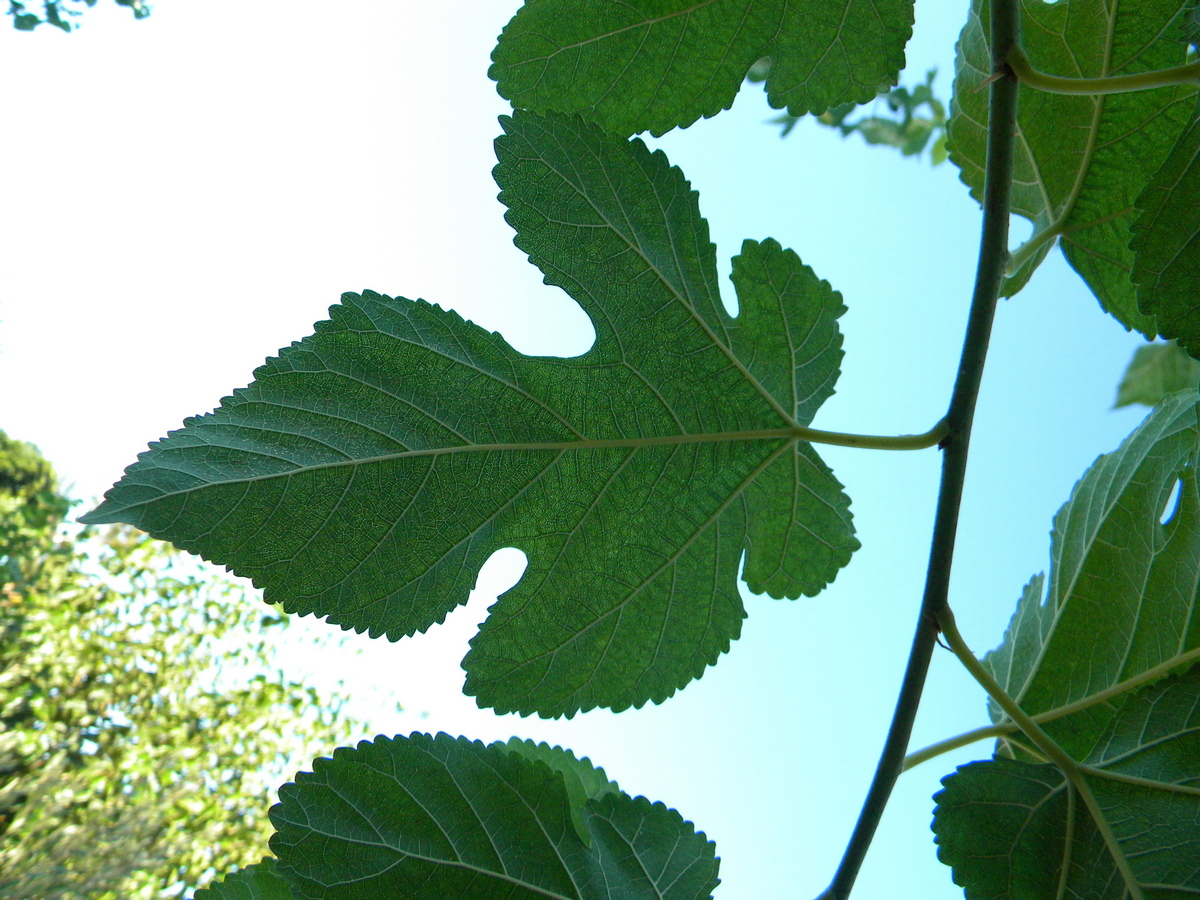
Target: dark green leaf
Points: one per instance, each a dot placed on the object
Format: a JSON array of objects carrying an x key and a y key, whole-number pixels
[
  {"x": 437, "y": 817},
  {"x": 1081, "y": 162},
  {"x": 582, "y": 780},
  {"x": 371, "y": 469},
  {"x": 258, "y": 882},
  {"x": 659, "y": 64},
  {"x": 1122, "y": 594},
  {"x": 27, "y": 22},
  {"x": 1012, "y": 829},
  {"x": 1166, "y": 244},
  {"x": 1155, "y": 371}
]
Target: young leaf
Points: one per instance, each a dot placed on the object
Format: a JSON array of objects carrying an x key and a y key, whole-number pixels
[
  {"x": 1014, "y": 829},
  {"x": 1122, "y": 595},
  {"x": 371, "y": 469},
  {"x": 582, "y": 780},
  {"x": 435, "y": 817},
  {"x": 1166, "y": 243},
  {"x": 260, "y": 881},
  {"x": 1155, "y": 371},
  {"x": 660, "y": 64},
  {"x": 1081, "y": 162}
]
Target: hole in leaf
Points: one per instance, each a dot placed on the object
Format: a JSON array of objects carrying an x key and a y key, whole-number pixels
[{"x": 1172, "y": 505}]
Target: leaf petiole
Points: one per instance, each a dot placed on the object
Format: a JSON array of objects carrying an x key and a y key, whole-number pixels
[
  {"x": 989, "y": 731},
  {"x": 1072, "y": 770},
  {"x": 1110, "y": 84},
  {"x": 1029, "y": 249},
  {"x": 930, "y": 438}
]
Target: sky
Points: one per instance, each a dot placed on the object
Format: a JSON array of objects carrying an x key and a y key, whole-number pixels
[{"x": 186, "y": 194}]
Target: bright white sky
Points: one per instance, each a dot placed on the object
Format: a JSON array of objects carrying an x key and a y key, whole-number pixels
[{"x": 187, "y": 194}]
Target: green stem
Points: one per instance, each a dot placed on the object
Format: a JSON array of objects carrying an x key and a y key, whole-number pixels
[
  {"x": 989, "y": 731},
  {"x": 959, "y": 740},
  {"x": 930, "y": 438},
  {"x": 1025, "y": 748},
  {"x": 1044, "y": 743},
  {"x": 1110, "y": 84},
  {"x": 993, "y": 253},
  {"x": 1027, "y": 250},
  {"x": 1072, "y": 771}
]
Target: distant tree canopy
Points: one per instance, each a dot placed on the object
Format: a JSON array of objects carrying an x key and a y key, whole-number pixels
[
  {"x": 142, "y": 718},
  {"x": 61, "y": 13}
]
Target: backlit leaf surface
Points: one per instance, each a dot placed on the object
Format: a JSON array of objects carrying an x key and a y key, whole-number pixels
[
  {"x": 260, "y": 881},
  {"x": 1166, "y": 243},
  {"x": 1012, "y": 829},
  {"x": 429, "y": 818},
  {"x": 582, "y": 780},
  {"x": 1155, "y": 371},
  {"x": 637, "y": 65},
  {"x": 1081, "y": 161},
  {"x": 371, "y": 469},
  {"x": 1122, "y": 592}
]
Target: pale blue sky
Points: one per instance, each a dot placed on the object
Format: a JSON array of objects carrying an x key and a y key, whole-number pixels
[{"x": 187, "y": 194}]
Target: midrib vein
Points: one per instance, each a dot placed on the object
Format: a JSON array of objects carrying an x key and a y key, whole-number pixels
[{"x": 767, "y": 434}]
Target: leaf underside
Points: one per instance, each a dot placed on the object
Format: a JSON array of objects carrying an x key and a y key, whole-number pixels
[
  {"x": 1122, "y": 593},
  {"x": 369, "y": 471},
  {"x": 1121, "y": 600},
  {"x": 582, "y": 780},
  {"x": 1013, "y": 829},
  {"x": 435, "y": 817},
  {"x": 1166, "y": 244},
  {"x": 654, "y": 65},
  {"x": 1081, "y": 161}
]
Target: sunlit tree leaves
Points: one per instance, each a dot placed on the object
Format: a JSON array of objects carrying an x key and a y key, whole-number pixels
[
  {"x": 130, "y": 766},
  {"x": 1015, "y": 829},
  {"x": 435, "y": 817},
  {"x": 654, "y": 65},
  {"x": 1081, "y": 161},
  {"x": 369, "y": 471},
  {"x": 1166, "y": 244}
]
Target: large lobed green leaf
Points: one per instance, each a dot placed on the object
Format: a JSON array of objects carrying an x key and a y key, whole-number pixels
[
  {"x": 1081, "y": 162},
  {"x": 1166, "y": 243},
  {"x": 1121, "y": 601},
  {"x": 1012, "y": 829},
  {"x": 1122, "y": 593},
  {"x": 638, "y": 65},
  {"x": 437, "y": 817},
  {"x": 371, "y": 469}
]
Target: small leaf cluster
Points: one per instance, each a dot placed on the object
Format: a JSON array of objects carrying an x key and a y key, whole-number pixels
[{"x": 913, "y": 118}]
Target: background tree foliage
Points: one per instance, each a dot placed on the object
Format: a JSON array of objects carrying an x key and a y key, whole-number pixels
[
  {"x": 60, "y": 13},
  {"x": 123, "y": 670}
]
